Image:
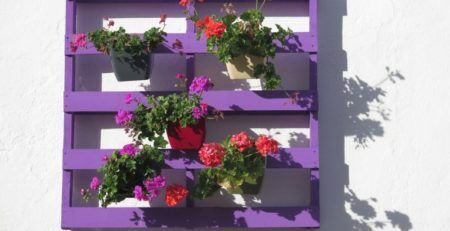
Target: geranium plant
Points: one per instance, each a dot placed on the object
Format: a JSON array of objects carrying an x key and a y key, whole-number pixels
[
  {"x": 106, "y": 40},
  {"x": 182, "y": 115},
  {"x": 132, "y": 172},
  {"x": 237, "y": 164},
  {"x": 130, "y": 54},
  {"x": 242, "y": 42}
]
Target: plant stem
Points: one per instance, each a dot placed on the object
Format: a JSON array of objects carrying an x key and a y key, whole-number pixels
[
  {"x": 262, "y": 5},
  {"x": 251, "y": 154}
]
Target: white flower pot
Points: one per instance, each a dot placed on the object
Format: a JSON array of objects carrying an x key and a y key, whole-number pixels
[
  {"x": 128, "y": 203},
  {"x": 243, "y": 67}
]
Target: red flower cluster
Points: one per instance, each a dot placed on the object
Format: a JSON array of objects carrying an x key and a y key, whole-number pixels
[
  {"x": 266, "y": 145},
  {"x": 211, "y": 27},
  {"x": 175, "y": 193},
  {"x": 211, "y": 154},
  {"x": 241, "y": 141},
  {"x": 184, "y": 2}
]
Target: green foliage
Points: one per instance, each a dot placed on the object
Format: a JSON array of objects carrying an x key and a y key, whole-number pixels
[
  {"x": 123, "y": 172},
  {"x": 121, "y": 42},
  {"x": 206, "y": 185},
  {"x": 236, "y": 169},
  {"x": 247, "y": 36},
  {"x": 150, "y": 122}
]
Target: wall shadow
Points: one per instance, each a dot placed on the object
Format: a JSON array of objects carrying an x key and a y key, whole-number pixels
[{"x": 349, "y": 107}]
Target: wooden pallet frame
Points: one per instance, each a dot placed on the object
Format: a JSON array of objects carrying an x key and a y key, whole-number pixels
[{"x": 238, "y": 102}]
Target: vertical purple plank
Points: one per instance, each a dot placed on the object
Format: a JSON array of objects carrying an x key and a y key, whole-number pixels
[
  {"x": 313, "y": 72},
  {"x": 67, "y": 175},
  {"x": 190, "y": 30},
  {"x": 68, "y": 118},
  {"x": 189, "y": 184},
  {"x": 313, "y": 20},
  {"x": 190, "y": 69},
  {"x": 70, "y": 29},
  {"x": 314, "y": 182},
  {"x": 314, "y": 130}
]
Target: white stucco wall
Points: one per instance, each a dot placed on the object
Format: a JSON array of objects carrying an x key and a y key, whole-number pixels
[{"x": 383, "y": 68}]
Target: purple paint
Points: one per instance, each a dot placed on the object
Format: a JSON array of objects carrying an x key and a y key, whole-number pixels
[
  {"x": 76, "y": 159},
  {"x": 226, "y": 101},
  {"x": 245, "y": 102}
]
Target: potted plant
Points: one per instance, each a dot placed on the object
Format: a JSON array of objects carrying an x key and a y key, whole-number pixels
[
  {"x": 242, "y": 43},
  {"x": 181, "y": 115},
  {"x": 133, "y": 173},
  {"x": 237, "y": 165},
  {"x": 130, "y": 54}
]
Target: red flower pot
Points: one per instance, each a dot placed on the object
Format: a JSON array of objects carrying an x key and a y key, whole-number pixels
[{"x": 189, "y": 137}]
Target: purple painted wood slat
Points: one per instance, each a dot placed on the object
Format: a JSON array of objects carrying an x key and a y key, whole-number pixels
[
  {"x": 190, "y": 217},
  {"x": 314, "y": 191},
  {"x": 165, "y": 1},
  {"x": 76, "y": 159},
  {"x": 69, "y": 63},
  {"x": 302, "y": 42},
  {"x": 225, "y": 101}
]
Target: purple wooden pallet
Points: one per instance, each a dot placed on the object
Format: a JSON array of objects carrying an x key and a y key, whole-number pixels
[{"x": 245, "y": 102}]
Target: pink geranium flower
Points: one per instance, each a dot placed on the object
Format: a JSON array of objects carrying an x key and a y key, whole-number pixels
[
  {"x": 197, "y": 112},
  {"x": 123, "y": 117},
  {"x": 266, "y": 145},
  {"x": 128, "y": 99},
  {"x": 139, "y": 194},
  {"x": 241, "y": 141},
  {"x": 154, "y": 185},
  {"x": 95, "y": 182},
  {"x": 78, "y": 41},
  {"x": 201, "y": 84},
  {"x": 211, "y": 154},
  {"x": 129, "y": 149},
  {"x": 180, "y": 76}
]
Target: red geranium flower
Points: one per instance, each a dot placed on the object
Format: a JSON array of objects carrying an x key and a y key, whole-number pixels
[
  {"x": 183, "y": 2},
  {"x": 213, "y": 27},
  {"x": 200, "y": 24},
  {"x": 175, "y": 193},
  {"x": 241, "y": 141},
  {"x": 266, "y": 145},
  {"x": 211, "y": 154}
]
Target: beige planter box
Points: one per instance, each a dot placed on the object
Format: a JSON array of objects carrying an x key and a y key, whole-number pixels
[{"x": 243, "y": 67}]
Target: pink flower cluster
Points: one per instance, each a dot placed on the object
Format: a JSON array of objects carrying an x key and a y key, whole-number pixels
[
  {"x": 199, "y": 112},
  {"x": 175, "y": 193},
  {"x": 266, "y": 145},
  {"x": 128, "y": 99},
  {"x": 241, "y": 141},
  {"x": 212, "y": 154},
  {"x": 201, "y": 84},
  {"x": 78, "y": 41},
  {"x": 95, "y": 182},
  {"x": 129, "y": 149},
  {"x": 152, "y": 189},
  {"x": 180, "y": 76},
  {"x": 123, "y": 117}
]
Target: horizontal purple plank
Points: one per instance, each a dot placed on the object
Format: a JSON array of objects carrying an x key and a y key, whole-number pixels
[
  {"x": 77, "y": 159},
  {"x": 190, "y": 217},
  {"x": 174, "y": 1},
  {"x": 301, "y": 42},
  {"x": 226, "y": 101}
]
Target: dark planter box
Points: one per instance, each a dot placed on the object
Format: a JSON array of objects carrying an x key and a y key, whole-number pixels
[{"x": 129, "y": 68}]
